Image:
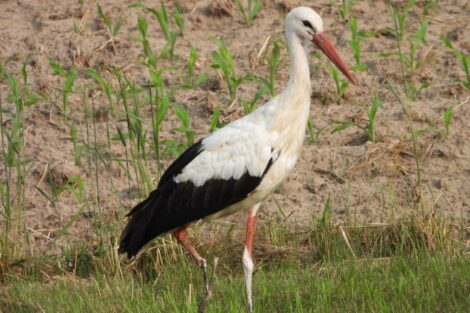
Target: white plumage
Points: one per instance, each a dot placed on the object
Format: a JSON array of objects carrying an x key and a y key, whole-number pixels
[{"x": 238, "y": 166}]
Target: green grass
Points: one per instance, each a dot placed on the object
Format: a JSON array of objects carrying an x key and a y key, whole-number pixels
[
  {"x": 403, "y": 284},
  {"x": 404, "y": 267}
]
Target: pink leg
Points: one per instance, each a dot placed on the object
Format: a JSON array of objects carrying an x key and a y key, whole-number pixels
[
  {"x": 182, "y": 235},
  {"x": 248, "y": 265}
]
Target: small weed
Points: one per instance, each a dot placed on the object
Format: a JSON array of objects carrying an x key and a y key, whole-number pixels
[
  {"x": 215, "y": 120},
  {"x": 251, "y": 10},
  {"x": 70, "y": 77},
  {"x": 345, "y": 8},
  {"x": 191, "y": 81},
  {"x": 151, "y": 59},
  {"x": 401, "y": 18},
  {"x": 463, "y": 58},
  {"x": 355, "y": 44},
  {"x": 103, "y": 84},
  {"x": 411, "y": 59},
  {"x": 179, "y": 20},
  {"x": 448, "y": 113},
  {"x": 429, "y": 6},
  {"x": 314, "y": 133},
  {"x": 341, "y": 84},
  {"x": 223, "y": 60},
  {"x": 248, "y": 106},
  {"x": 170, "y": 36},
  {"x": 273, "y": 62},
  {"x": 185, "y": 128},
  {"x": 112, "y": 30},
  {"x": 77, "y": 149},
  {"x": 415, "y": 40},
  {"x": 369, "y": 128}
]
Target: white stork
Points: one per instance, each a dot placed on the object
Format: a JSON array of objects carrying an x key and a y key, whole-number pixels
[{"x": 238, "y": 166}]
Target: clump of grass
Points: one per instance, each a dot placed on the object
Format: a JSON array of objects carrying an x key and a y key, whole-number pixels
[
  {"x": 369, "y": 129},
  {"x": 463, "y": 58},
  {"x": 252, "y": 9},
  {"x": 15, "y": 162},
  {"x": 341, "y": 84}
]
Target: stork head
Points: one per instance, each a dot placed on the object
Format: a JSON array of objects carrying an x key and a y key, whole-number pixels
[{"x": 307, "y": 25}]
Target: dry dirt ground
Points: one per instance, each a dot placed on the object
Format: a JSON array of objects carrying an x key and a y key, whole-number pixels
[{"x": 367, "y": 182}]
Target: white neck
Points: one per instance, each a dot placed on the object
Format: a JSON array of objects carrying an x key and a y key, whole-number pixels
[
  {"x": 299, "y": 81},
  {"x": 290, "y": 109}
]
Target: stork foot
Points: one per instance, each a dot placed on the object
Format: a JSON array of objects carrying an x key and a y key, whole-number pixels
[{"x": 208, "y": 283}]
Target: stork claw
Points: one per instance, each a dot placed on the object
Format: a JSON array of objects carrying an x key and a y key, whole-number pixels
[{"x": 208, "y": 284}]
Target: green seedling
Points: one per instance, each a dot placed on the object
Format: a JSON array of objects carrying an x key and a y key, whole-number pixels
[
  {"x": 463, "y": 58},
  {"x": 151, "y": 59},
  {"x": 191, "y": 81},
  {"x": 248, "y": 106},
  {"x": 179, "y": 20},
  {"x": 215, "y": 120},
  {"x": 273, "y": 62},
  {"x": 251, "y": 10},
  {"x": 409, "y": 62},
  {"x": 223, "y": 60},
  {"x": 313, "y": 133},
  {"x": 159, "y": 108},
  {"x": 415, "y": 40},
  {"x": 429, "y": 6},
  {"x": 103, "y": 84},
  {"x": 185, "y": 128},
  {"x": 70, "y": 77},
  {"x": 76, "y": 147},
  {"x": 448, "y": 119},
  {"x": 401, "y": 17},
  {"x": 341, "y": 84},
  {"x": 136, "y": 134},
  {"x": 170, "y": 36},
  {"x": 112, "y": 30},
  {"x": 355, "y": 44},
  {"x": 267, "y": 85},
  {"x": 369, "y": 128},
  {"x": 345, "y": 8}
]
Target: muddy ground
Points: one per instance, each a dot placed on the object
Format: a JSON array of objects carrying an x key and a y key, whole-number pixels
[{"x": 367, "y": 182}]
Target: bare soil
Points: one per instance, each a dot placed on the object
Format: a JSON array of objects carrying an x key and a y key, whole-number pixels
[{"x": 367, "y": 182}]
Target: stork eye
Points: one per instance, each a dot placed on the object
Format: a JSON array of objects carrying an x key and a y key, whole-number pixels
[{"x": 307, "y": 24}]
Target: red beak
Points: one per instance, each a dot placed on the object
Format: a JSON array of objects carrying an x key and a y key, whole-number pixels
[{"x": 324, "y": 44}]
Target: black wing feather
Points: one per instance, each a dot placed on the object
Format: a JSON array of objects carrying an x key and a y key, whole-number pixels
[{"x": 173, "y": 204}]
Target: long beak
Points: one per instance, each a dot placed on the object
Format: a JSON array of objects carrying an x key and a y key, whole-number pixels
[{"x": 324, "y": 44}]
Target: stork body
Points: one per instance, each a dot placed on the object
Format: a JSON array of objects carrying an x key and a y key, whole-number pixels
[{"x": 238, "y": 166}]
